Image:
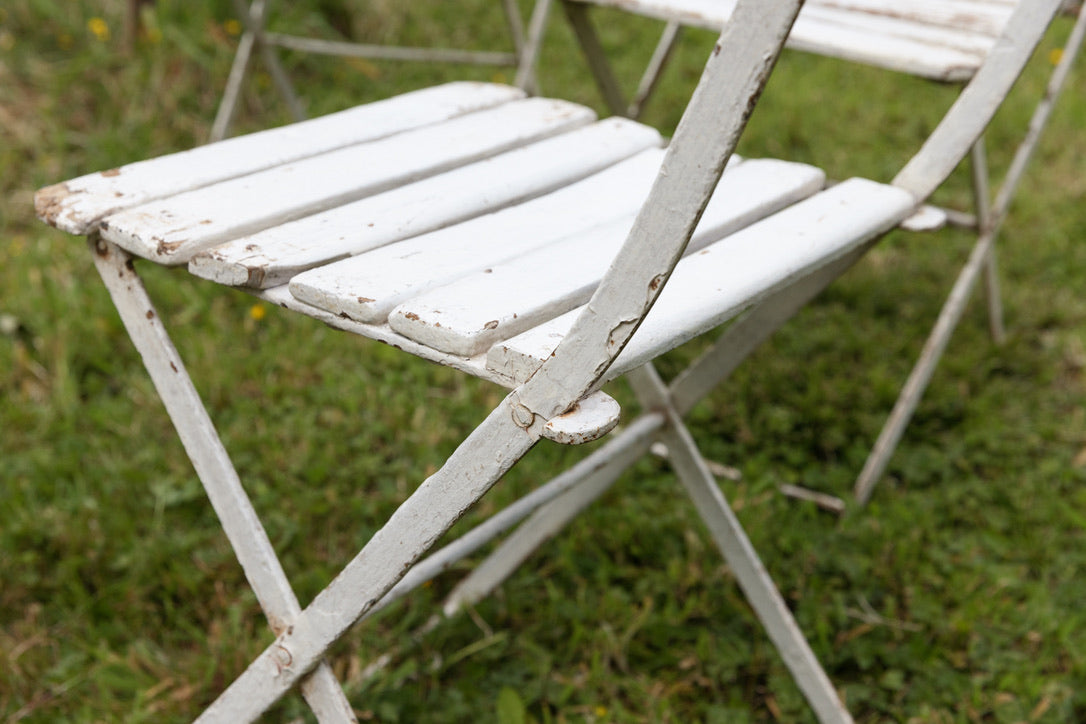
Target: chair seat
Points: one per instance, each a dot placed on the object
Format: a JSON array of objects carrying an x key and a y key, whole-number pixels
[
  {"x": 939, "y": 39},
  {"x": 472, "y": 236}
]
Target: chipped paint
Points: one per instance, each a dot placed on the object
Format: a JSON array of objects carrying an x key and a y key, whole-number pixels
[{"x": 51, "y": 201}]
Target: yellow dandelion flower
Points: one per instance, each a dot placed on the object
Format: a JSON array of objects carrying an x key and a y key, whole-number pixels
[
  {"x": 232, "y": 27},
  {"x": 601, "y": 711},
  {"x": 98, "y": 28},
  {"x": 257, "y": 312},
  {"x": 1055, "y": 56}
]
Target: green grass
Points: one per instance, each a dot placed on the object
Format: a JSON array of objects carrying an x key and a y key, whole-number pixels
[{"x": 956, "y": 596}]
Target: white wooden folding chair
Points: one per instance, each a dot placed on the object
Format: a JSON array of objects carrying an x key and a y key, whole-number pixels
[
  {"x": 940, "y": 40},
  {"x": 256, "y": 37},
  {"x": 518, "y": 241}
]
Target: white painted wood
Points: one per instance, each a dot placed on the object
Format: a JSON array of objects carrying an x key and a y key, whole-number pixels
[
  {"x": 622, "y": 449},
  {"x": 486, "y": 186},
  {"x": 78, "y": 205},
  {"x": 973, "y": 110},
  {"x": 920, "y": 376},
  {"x": 626, "y": 446},
  {"x": 939, "y": 39},
  {"x": 926, "y": 218},
  {"x": 387, "y": 52},
  {"x": 243, "y": 529},
  {"x": 475, "y": 366},
  {"x": 588, "y": 420},
  {"x": 691, "y": 169},
  {"x": 926, "y": 54},
  {"x": 973, "y": 38},
  {"x": 253, "y": 17},
  {"x": 747, "y": 332},
  {"x": 256, "y": 35},
  {"x": 596, "y": 474},
  {"x": 172, "y": 230},
  {"x": 367, "y": 287},
  {"x": 714, "y": 284},
  {"x": 707, "y": 134},
  {"x": 470, "y": 315},
  {"x": 532, "y": 44},
  {"x": 743, "y": 561},
  {"x": 707, "y": 14},
  {"x": 733, "y": 79},
  {"x": 416, "y": 525},
  {"x": 982, "y": 203},
  {"x": 981, "y": 256},
  {"x": 972, "y": 15}
]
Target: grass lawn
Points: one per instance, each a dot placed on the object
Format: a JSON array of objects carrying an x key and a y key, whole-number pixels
[{"x": 956, "y": 596}]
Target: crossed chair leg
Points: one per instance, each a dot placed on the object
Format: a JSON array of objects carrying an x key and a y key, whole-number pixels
[
  {"x": 386, "y": 567},
  {"x": 203, "y": 446}
]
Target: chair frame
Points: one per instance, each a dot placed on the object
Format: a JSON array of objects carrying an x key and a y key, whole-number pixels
[
  {"x": 986, "y": 218},
  {"x": 390, "y": 562}
]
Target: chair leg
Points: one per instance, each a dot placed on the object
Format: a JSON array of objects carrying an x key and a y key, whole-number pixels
[
  {"x": 228, "y": 105},
  {"x": 425, "y": 516},
  {"x": 593, "y": 476},
  {"x": 596, "y": 57},
  {"x": 239, "y": 520},
  {"x": 920, "y": 376},
  {"x": 996, "y": 327},
  {"x": 733, "y": 346},
  {"x": 746, "y": 333},
  {"x": 254, "y": 19},
  {"x": 669, "y": 40},
  {"x": 740, "y": 555},
  {"x": 983, "y": 208},
  {"x": 282, "y": 81},
  {"x": 980, "y": 257},
  {"x": 527, "y": 45}
]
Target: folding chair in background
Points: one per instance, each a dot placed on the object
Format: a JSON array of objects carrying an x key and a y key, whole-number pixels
[
  {"x": 940, "y": 40},
  {"x": 256, "y": 37},
  {"x": 522, "y": 242}
]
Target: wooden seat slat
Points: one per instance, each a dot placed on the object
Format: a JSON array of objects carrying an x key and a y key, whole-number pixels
[
  {"x": 368, "y": 286},
  {"x": 275, "y": 255},
  {"x": 78, "y": 205},
  {"x": 173, "y": 229},
  {"x": 712, "y": 285},
  {"x": 471, "y": 314},
  {"x": 280, "y": 296}
]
